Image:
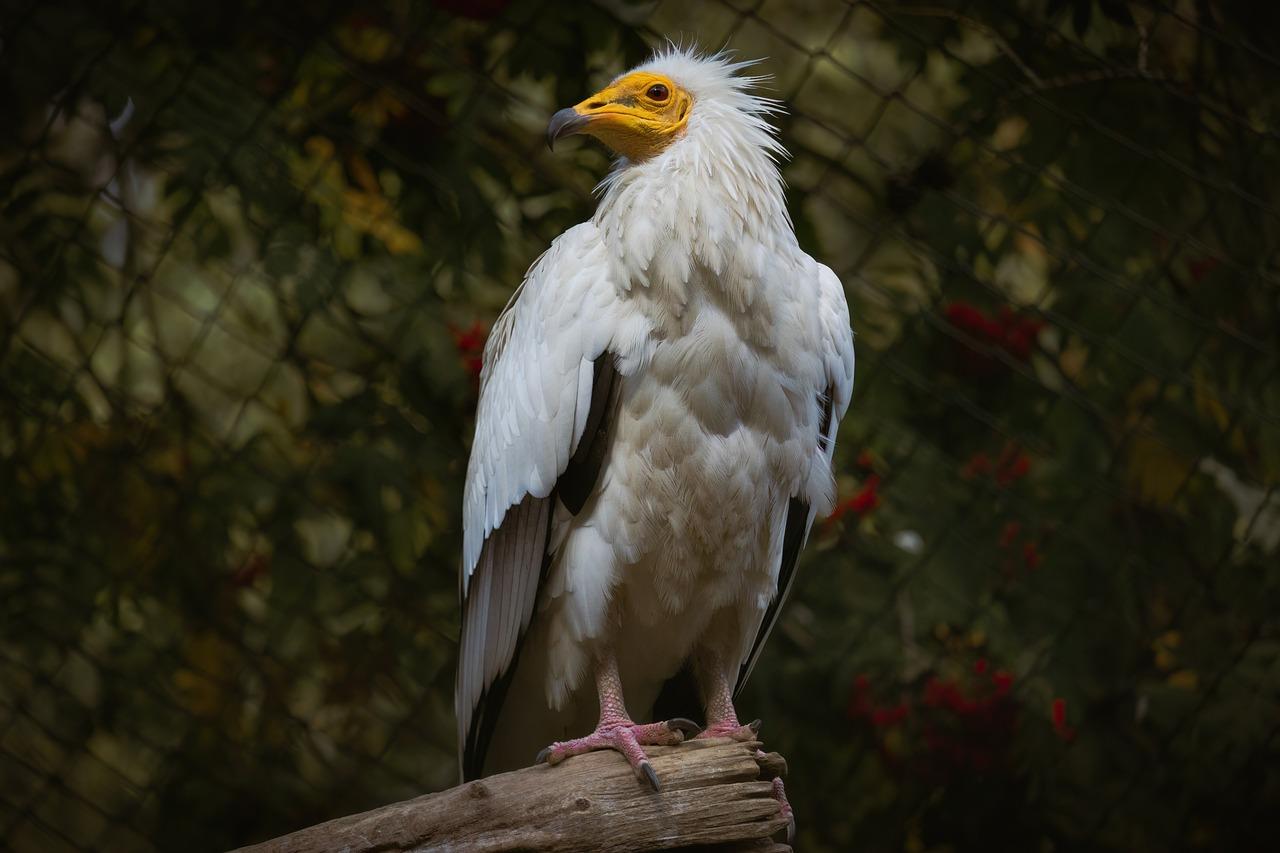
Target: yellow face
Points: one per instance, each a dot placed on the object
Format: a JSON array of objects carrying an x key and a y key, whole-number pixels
[{"x": 637, "y": 116}]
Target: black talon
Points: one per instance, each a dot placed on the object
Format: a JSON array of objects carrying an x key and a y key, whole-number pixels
[
  {"x": 647, "y": 769},
  {"x": 542, "y": 755},
  {"x": 683, "y": 725},
  {"x": 754, "y": 725}
]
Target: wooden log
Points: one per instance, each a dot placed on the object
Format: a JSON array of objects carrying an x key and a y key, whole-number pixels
[{"x": 716, "y": 796}]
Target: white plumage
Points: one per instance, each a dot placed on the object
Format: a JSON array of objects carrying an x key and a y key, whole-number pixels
[{"x": 730, "y": 350}]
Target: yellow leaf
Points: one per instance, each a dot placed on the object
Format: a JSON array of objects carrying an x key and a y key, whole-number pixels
[
  {"x": 1184, "y": 679},
  {"x": 1155, "y": 470},
  {"x": 398, "y": 239},
  {"x": 363, "y": 173},
  {"x": 1009, "y": 133},
  {"x": 369, "y": 213},
  {"x": 1208, "y": 405},
  {"x": 368, "y": 44},
  {"x": 378, "y": 109},
  {"x": 201, "y": 684},
  {"x": 1164, "y": 648},
  {"x": 894, "y": 741},
  {"x": 914, "y": 842},
  {"x": 1073, "y": 358},
  {"x": 318, "y": 148},
  {"x": 300, "y": 96}
]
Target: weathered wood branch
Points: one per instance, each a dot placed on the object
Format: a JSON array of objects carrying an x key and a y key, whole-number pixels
[{"x": 716, "y": 795}]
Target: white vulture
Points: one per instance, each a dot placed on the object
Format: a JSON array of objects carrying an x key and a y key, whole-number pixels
[{"x": 658, "y": 407}]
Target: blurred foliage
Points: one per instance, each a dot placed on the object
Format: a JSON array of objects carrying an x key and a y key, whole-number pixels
[{"x": 248, "y": 252}]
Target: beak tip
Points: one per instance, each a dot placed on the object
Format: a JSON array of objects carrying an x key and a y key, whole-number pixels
[{"x": 565, "y": 122}]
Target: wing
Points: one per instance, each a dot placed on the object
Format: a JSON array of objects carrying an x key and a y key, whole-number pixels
[
  {"x": 546, "y": 392},
  {"x": 836, "y": 341}
]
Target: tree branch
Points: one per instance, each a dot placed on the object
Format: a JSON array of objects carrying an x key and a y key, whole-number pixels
[{"x": 716, "y": 795}]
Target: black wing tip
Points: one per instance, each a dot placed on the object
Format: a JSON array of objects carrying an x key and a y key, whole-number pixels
[
  {"x": 792, "y": 539},
  {"x": 580, "y": 475}
]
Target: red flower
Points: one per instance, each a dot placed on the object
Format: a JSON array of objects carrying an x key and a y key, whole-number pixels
[
  {"x": 1201, "y": 267},
  {"x": 947, "y": 695},
  {"x": 250, "y": 569},
  {"x": 862, "y": 706},
  {"x": 1012, "y": 465},
  {"x": 1015, "y": 470},
  {"x": 868, "y": 497},
  {"x": 864, "y": 501},
  {"x": 1058, "y": 714},
  {"x": 1003, "y": 680},
  {"x": 1017, "y": 342},
  {"x": 951, "y": 729},
  {"x": 469, "y": 340},
  {"x": 1019, "y": 333},
  {"x": 967, "y": 318},
  {"x": 890, "y": 715},
  {"x": 470, "y": 345},
  {"x": 1030, "y": 555},
  {"x": 933, "y": 690},
  {"x": 967, "y": 730},
  {"x": 1009, "y": 534},
  {"x": 1014, "y": 333},
  {"x": 978, "y": 464},
  {"x": 859, "y": 702}
]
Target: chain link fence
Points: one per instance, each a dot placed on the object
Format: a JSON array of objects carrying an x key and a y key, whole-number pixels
[{"x": 248, "y": 256}]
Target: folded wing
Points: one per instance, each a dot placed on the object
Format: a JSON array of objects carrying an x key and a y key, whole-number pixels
[
  {"x": 836, "y": 348},
  {"x": 547, "y": 391}
]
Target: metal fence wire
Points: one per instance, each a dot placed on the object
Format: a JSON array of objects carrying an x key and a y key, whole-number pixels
[{"x": 248, "y": 256}]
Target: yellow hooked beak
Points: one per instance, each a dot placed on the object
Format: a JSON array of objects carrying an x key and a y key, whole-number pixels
[{"x": 637, "y": 116}]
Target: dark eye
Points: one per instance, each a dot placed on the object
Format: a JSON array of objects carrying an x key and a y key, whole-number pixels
[{"x": 658, "y": 92}]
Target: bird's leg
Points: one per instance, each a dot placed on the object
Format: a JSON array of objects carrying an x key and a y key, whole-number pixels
[
  {"x": 717, "y": 699},
  {"x": 616, "y": 729},
  {"x": 722, "y": 720}
]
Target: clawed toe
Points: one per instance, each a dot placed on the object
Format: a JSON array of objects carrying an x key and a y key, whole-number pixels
[
  {"x": 627, "y": 738},
  {"x": 646, "y": 769},
  {"x": 686, "y": 727},
  {"x": 731, "y": 729},
  {"x": 784, "y": 806}
]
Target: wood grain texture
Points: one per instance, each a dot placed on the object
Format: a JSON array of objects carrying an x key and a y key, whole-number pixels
[{"x": 716, "y": 796}]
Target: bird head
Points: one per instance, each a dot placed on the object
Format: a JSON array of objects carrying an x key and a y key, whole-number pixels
[{"x": 638, "y": 115}]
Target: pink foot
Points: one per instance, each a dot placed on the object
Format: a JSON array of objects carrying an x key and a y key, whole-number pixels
[
  {"x": 731, "y": 728},
  {"x": 627, "y": 738},
  {"x": 784, "y": 805}
]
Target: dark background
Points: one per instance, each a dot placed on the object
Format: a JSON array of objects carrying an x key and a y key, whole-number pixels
[{"x": 249, "y": 252}]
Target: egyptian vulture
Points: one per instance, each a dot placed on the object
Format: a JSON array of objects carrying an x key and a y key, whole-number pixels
[{"x": 658, "y": 408}]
